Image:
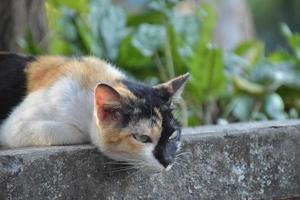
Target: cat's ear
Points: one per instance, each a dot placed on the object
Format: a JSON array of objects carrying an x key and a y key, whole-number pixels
[
  {"x": 172, "y": 90},
  {"x": 108, "y": 103}
]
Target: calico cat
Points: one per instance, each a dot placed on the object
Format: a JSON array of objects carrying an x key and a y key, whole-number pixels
[{"x": 54, "y": 100}]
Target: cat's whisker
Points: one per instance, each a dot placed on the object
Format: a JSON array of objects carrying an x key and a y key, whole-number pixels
[
  {"x": 185, "y": 152},
  {"x": 117, "y": 163},
  {"x": 120, "y": 165},
  {"x": 135, "y": 172},
  {"x": 124, "y": 169},
  {"x": 178, "y": 160},
  {"x": 126, "y": 162},
  {"x": 139, "y": 168},
  {"x": 128, "y": 166},
  {"x": 113, "y": 161},
  {"x": 125, "y": 165},
  {"x": 130, "y": 159},
  {"x": 181, "y": 158}
]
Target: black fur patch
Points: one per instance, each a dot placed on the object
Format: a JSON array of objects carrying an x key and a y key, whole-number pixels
[
  {"x": 166, "y": 149},
  {"x": 12, "y": 81},
  {"x": 148, "y": 99}
]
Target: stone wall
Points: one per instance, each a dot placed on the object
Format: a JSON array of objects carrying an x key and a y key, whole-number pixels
[{"x": 240, "y": 161}]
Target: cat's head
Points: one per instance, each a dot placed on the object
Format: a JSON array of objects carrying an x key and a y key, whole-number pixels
[{"x": 135, "y": 122}]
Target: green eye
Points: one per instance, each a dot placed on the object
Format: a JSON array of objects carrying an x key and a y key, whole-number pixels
[
  {"x": 174, "y": 135},
  {"x": 142, "y": 138}
]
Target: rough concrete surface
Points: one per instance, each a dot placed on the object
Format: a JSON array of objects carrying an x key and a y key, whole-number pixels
[{"x": 242, "y": 161}]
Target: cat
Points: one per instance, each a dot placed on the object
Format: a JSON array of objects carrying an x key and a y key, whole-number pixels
[{"x": 55, "y": 100}]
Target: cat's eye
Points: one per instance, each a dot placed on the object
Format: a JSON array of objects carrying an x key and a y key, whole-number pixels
[
  {"x": 142, "y": 138},
  {"x": 174, "y": 135}
]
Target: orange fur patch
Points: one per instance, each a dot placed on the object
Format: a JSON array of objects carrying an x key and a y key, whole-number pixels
[
  {"x": 89, "y": 71},
  {"x": 118, "y": 141},
  {"x": 156, "y": 130},
  {"x": 44, "y": 71},
  {"x": 157, "y": 125}
]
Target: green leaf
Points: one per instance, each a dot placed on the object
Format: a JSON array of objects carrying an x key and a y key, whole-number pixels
[
  {"x": 259, "y": 116},
  {"x": 207, "y": 74},
  {"x": 108, "y": 24},
  {"x": 274, "y": 107},
  {"x": 206, "y": 63},
  {"x": 131, "y": 57},
  {"x": 253, "y": 50},
  {"x": 293, "y": 113},
  {"x": 286, "y": 31},
  {"x": 186, "y": 26},
  {"x": 84, "y": 36},
  {"x": 148, "y": 17},
  {"x": 149, "y": 38},
  {"x": 279, "y": 56},
  {"x": 242, "y": 107},
  {"x": 273, "y": 76},
  {"x": 293, "y": 40},
  {"x": 245, "y": 85},
  {"x": 175, "y": 44},
  {"x": 208, "y": 20}
]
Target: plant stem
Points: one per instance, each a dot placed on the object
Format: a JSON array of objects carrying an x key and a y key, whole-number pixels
[
  {"x": 169, "y": 58},
  {"x": 160, "y": 67},
  {"x": 184, "y": 112}
]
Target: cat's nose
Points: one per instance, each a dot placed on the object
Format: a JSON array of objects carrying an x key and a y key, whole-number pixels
[
  {"x": 166, "y": 161},
  {"x": 163, "y": 157}
]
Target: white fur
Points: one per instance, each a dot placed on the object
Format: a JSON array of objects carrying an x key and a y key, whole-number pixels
[{"x": 57, "y": 115}]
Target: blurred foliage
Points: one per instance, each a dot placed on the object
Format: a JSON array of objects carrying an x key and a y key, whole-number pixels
[
  {"x": 267, "y": 86},
  {"x": 266, "y": 15},
  {"x": 162, "y": 42}
]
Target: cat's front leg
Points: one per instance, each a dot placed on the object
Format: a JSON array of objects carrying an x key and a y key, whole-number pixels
[{"x": 41, "y": 133}]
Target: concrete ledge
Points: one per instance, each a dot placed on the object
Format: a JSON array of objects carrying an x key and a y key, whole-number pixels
[{"x": 241, "y": 161}]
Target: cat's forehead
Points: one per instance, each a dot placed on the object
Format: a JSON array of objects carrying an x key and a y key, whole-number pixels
[
  {"x": 142, "y": 115},
  {"x": 145, "y": 96},
  {"x": 144, "y": 103}
]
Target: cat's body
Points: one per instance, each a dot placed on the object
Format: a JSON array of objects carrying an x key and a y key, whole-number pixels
[{"x": 59, "y": 100}]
